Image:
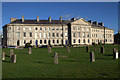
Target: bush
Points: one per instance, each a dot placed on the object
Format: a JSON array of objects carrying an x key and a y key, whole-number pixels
[
  {"x": 27, "y": 45},
  {"x": 99, "y": 43},
  {"x": 93, "y": 43}
]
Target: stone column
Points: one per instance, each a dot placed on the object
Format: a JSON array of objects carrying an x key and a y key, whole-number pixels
[
  {"x": 55, "y": 58},
  {"x": 13, "y": 58},
  {"x": 115, "y": 53},
  {"x": 49, "y": 49},
  {"x": 102, "y": 49},
  {"x": 29, "y": 50},
  {"x": 3, "y": 55},
  {"x": 87, "y": 48},
  {"x": 68, "y": 49},
  {"x": 11, "y": 52},
  {"x": 92, "y": 57}
]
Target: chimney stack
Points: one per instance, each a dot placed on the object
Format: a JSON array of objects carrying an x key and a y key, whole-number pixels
[
  {"x": 90, "y": 21},
  {"x": 12, "y": 19},
  {"x": 73, "y": 19},
  {"x": 37, "y": 18},
  {"x": 22, "y": 18},
  {"x": 101, "y": 24},
  {"x": 60, "y": 18},
  {"x": 95, "y": 22},
  {"x": 49, "y": 19}
]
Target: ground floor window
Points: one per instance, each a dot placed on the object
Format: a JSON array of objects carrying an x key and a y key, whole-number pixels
[
  {"x": 18, "y": 43},
  {"x": 57, "y": 41},
  {"x": 74, "y": 41},
  {"x": 79, "y": 41},
  {"x": 88, "y": 41},
  {"x": 30, "y": 41},
  {"x": 83, "y": 40},
  {"x": 53, "y": 41},
  {"x": 40, "y": 41},
  {"x": 45, "y": 41},
  {"x": 24, "y": 41},
  {"x": 106, "y": 40},
  {"x": 110, "y": 40}
]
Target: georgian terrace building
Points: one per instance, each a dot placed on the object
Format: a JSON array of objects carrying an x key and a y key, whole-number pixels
[{"x": 55, "y": 32}]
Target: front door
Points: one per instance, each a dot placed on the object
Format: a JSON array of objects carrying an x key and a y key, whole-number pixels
[
  {"x": 36, "y": 42},
  {"x": 18, "y": 43},
  {"x": 66, "y": 42},
  {"x": 48, "y": 42}
]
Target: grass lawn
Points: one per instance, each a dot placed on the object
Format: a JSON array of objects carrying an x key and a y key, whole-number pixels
[{"x": 40, "y": 64}]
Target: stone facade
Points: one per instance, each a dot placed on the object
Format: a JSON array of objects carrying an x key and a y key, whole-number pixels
[{"x": 54, "y": 32}]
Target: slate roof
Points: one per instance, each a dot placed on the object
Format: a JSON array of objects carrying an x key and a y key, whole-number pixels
[
  {"x": 19, "y": 21},
  {"x": 99, "y": 26},
  {"x": 26, "y": 21}
]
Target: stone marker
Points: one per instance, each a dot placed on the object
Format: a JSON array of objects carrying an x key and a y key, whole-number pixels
[
  {"x": 11, "y": 52},
  {"x": 92, "y": 57},
  {"x": 49, "y": 49},
  {"x": 13, "y": 58},
  {"x": 68, "y": 49},
  {"x": 87, "y": 48},
  {"x": 115, "y": 53},
  {"x": 3, "y": 55},
  {"x": 29, "y": 50},
  {"x": 102, "y": 49},
  {"x": 55, "y": 58}
]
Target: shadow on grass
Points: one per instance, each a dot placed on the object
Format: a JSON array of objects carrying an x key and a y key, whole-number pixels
[
  {"x": 73, "y": 61},
  {"x": 7, "y": 56},
  {"x": 108, "y": 54},
  {"x": 44, "y": 62},
  {"x": 23, "y": 53},
  {"x": 104, "y": 58},
  {"x": 6, "y": 61}
]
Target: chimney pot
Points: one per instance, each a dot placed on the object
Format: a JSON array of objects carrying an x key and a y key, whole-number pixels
[
  {"x": 95, "y": 22},
  {"x": 73, "y": 19},
  {"x": 22, "y": 18},
  {"x": 13, "y": 19},
  {"x": 101, "y": 24},
  {"x": 90, "y": 21},
  {"x": 37, "y": 18},
  {"x": 49, "y": 19},
  {"x": 60, "y": 18}
]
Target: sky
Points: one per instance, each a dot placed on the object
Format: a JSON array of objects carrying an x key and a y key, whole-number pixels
[{"x": 106, "y": 12}]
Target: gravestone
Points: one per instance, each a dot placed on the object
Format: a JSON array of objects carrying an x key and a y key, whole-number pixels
[
  {"x": 3, "y": 55},
  {"x": 92, "y": 57},
  {"x": 68, "y": 49},
  {"x": 55, "y": 58},
  {"x": 49, "y": 49},
  {"x": 13, "y": 58},
  {"x": 102, "y": 49},
  {"x": 115, "y": 53},
  {"x": 11, "y": 52},
  {"x": 29, "y": 50},
  {"x": 87, "y": 48}
]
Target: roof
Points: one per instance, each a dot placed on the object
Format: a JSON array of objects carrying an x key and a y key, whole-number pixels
[
  {"x": 99, "y": 26},
  {"x": 26, "y": 21},
  {"x": 19, "y": 21}
]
